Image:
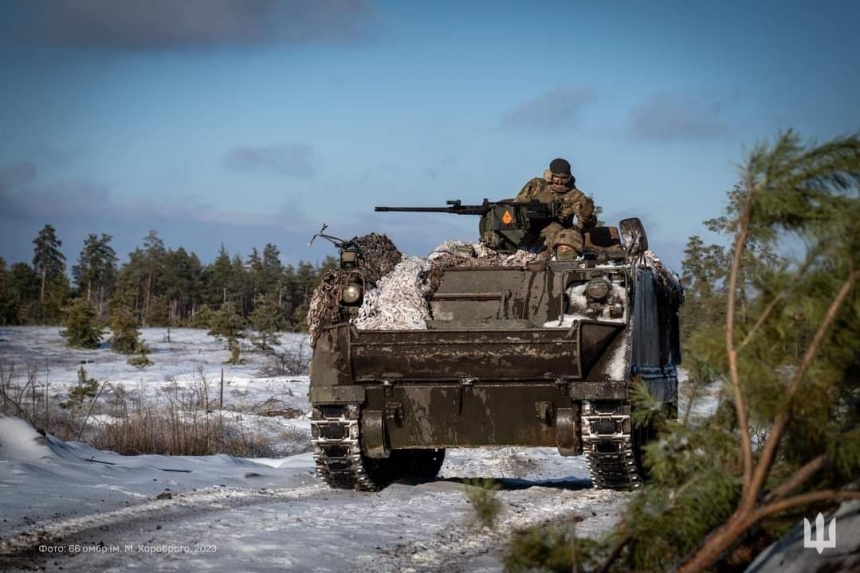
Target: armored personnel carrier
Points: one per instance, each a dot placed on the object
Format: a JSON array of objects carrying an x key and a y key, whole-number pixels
[{"x": 540, "y": 354}]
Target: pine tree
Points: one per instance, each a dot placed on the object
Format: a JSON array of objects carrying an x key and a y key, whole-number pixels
[
  {"x": 271, "y": 282},
  {"x": 82, "y": 330},
  {"x": 267, "y": 319},
  {"x": 240, "y": 285},
  {"x": 23, "y": 285},
  {"x": 203, "y": 317},
  {"x": 305, "y": 282},
  {"x": 48, "y": 260},
  {"x": 128, "y": 289},
  {"x": 96, "y": 270},
  {"x": 703, "y": 271},
  {"x": 810, "y": 434},
  {"x": 86, "y": 389},
  {"x": 254, "y": 266},
  {"x": 142, "y": 360},
  {"x": 289, "y": 295},
  {"x": 8, "y": 307},
  {"x": 196, "y": 281},
  {"x": 59, "y": 292},
  {"x": 227, "y": 323},
  {"x": 153, "y": 262},
  {"x": 158, "y": 313},
  {"x": 125, "y": 334},
  {"x": 182, "y": 281},
  {"x": 220, "y": 278}
]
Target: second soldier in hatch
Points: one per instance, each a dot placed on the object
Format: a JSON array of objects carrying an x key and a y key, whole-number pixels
[{"x": 559, "y": 184}]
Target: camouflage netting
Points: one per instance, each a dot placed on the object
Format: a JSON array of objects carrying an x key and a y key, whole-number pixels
[
  {"x": 399, "y": 301},
  {"x": 325, "y": 302},
  {"x": 398, "y": 286},
  {"x": 456, "y": 254},
  {"x": 378, "y": 257}
]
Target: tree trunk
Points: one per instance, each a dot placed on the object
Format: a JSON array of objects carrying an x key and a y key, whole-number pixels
[
  {"x": 42, "y": 294},
  {"x": 101, "y": 301},
  {"x": 147, "y": 296}
]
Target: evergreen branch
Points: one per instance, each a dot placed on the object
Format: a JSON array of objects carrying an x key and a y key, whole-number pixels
[
  {"x": 778, "y": 428},
  {"x": 731, "y": 351},
  {"x": 738, "y": 524},
  {"x": 704, "y": 556},
  {"x": 800, "y": 477},
  {"x": 615, "y": 553},
  {"x": 782, "y": 294},
  {"x": 803, "y": 500},
  {"x": 763, "y": 317}
]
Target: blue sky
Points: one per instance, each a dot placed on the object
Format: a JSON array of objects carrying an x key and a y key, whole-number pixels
[{"x": 249, "y": 122}]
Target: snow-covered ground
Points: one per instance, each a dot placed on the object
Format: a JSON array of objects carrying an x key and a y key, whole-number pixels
[
  {"x": 188, "y": 367},
  {"x": 191, "y": 357},
  {"x": 67, "y": 505}
]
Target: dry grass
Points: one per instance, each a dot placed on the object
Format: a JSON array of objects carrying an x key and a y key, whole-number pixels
[
  {"x": 179, "y": 420},
  {"x": 291, "y": 362}
]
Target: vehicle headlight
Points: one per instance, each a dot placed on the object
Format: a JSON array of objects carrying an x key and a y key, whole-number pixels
[
  {"x": 351, "y": 294},
  {"x": 597, "y": 289}
]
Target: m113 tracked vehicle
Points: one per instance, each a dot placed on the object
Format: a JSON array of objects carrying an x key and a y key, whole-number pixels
[{"x": 540, "y": 354}]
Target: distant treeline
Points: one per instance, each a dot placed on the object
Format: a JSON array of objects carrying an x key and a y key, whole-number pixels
[{"x": 162, "y": 287}]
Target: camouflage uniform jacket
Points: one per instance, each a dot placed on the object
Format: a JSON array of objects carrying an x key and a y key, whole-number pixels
[{"x": 574, "y": 201}]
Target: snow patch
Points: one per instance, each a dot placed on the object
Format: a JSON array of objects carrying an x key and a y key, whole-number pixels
[
  {"x": 618, "y": 366},
  {"x": 20, "y": 442}
]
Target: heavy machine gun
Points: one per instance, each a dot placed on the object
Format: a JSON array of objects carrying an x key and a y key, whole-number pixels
[{"x": 505, "y": 225}]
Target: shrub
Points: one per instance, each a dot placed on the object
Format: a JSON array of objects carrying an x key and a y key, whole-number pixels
[
  {"x": 86, "y": 388},
  {"x": 482, "y": 494},
  {"x": 123, "y": 325},
  {"x": 82, "y": 329}
]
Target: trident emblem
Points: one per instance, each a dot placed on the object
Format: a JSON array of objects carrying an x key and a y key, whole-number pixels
[{"x": 818, "y": 542}]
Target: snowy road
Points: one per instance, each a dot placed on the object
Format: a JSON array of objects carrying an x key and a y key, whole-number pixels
[
  {"x": 72, "y": 507},
  {"x": 405, "y": 527}
]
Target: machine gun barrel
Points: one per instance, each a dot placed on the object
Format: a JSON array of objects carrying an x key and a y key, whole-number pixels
[
  {"x": 415, "y": 210},
  {"x": 455, "y": 207}
]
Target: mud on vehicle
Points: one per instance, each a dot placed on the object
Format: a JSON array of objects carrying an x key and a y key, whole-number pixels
[{"x": 541, "y": 354}]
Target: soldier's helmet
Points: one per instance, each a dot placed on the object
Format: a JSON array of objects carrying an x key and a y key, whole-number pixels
[{"x": 567, "y": 245}]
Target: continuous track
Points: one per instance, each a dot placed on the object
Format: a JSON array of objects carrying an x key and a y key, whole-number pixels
[{"x": 607, "y": 436}]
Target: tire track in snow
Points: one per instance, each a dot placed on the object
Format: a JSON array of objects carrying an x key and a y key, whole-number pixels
[
  {"x": 464, "y": 547},
  {"x": 28, "y": 540}
]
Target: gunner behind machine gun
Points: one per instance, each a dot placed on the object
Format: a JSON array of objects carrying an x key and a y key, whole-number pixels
[{"x": 506, "y": 225}]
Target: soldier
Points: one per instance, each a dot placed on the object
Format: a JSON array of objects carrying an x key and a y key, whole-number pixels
[
  {"x": 567, "y": 245},
  {"x": 559, "y": 184}
]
